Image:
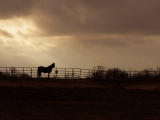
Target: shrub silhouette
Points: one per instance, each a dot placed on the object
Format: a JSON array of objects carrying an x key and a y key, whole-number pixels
[
  {"x": 98, "y": 73},
  {"x": 110, "y": 75},
  {"x": 13, "y": 74},
  {"x": 4, "y": 75},
  {"x": 13, "y": 71},
  {"x": 116, "y": 75},
  {"x": 145, "y": 74}
]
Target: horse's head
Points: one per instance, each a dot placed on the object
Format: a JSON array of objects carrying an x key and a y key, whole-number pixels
[{"x": 53, "y": 65}]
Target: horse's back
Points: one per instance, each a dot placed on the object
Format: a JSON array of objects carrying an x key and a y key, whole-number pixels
[
  {"x": 40, "y": 68},
  {"x": 43, "y": 69}
]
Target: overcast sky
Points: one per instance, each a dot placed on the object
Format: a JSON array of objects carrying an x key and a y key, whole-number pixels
[{"x": 80, "y": 33}]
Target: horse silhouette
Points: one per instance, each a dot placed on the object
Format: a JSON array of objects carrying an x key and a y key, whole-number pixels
[{"x": 42, "y": 69}]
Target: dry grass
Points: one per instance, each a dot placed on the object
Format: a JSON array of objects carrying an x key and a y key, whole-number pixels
[{"x": 76, "y": 100}]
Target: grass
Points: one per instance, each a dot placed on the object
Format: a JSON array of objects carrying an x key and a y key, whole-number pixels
[{"x": 77, "y": 99}]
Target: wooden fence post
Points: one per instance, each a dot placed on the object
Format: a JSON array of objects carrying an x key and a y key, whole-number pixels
[
  {"x": 130, "y": 74},
  {"x": 72, "y": 73},
  {"x": 80, "y": 74},
  {"x": 23, "y": 72},
  {"x": 6, "y": 73},
  {"x": 31, "y": 72},
  {"x": 65, "y": 73}
]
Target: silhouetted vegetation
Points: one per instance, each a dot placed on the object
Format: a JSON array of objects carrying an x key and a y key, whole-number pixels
[
  {"x": 118, "y": 75},
  {"x": 4, "y": 74},
  {"x": 98, "y": 73},
  {"x": 110, "y": 75},
  {"x": 13, "y": 74}
]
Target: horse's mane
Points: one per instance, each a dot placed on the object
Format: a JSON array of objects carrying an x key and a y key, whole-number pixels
[{"x": 52, "y": 65}]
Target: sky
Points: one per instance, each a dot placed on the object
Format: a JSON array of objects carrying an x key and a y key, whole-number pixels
[{"x": 80, "y": 33}]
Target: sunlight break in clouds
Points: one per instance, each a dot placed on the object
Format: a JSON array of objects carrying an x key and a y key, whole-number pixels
[
  {"x": 17, "y": 28},
  {"x": 19, "y": 39}
]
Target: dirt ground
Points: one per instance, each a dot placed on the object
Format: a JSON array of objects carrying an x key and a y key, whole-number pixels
[{"x": 77, "y": 100}]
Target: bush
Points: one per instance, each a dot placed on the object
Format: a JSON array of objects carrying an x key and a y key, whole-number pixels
[
  {"x": 98, "y": 73},
  {"x": 145, "y": 74},
  {"x": 13, "y": 74},
  {"x": 116, "y": 74}
]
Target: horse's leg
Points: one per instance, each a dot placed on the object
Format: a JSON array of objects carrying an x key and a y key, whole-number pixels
[
  {"x": 48, "y": 75},
  {"x": 39, "y": 75}
]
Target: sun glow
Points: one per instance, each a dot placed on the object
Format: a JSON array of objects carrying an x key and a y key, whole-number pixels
[
  {"x": 21, "y": 37},
  {"x": 24, "y": 33},
  {"x": 17, "y": 28},
  {"x": 14, "y": 26}
]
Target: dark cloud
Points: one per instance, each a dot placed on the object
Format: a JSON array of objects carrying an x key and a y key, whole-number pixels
[
  {"x": 61, "y": 17},
  {"x": 14, "y": 8},
  {"x": 101, "y": 41},
  {"x": 98, "y": 17}
]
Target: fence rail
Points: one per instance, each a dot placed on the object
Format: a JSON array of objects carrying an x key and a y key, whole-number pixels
[
  {"x": 72, "y": 73},
  {"x": 22, "y": 72}
]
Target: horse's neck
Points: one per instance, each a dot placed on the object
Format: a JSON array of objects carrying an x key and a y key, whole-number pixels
[{"x": 50, "y": 66}]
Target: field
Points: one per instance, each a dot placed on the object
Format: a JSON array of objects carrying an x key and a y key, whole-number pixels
[{"x": 78, "y": 100}]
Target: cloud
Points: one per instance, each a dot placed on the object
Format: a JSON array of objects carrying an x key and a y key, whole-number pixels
[
  {"x": 98, "y": 17},
  {"x": 14, "y": 8},
  {"x": 70, "y": 17},
  {"x": 90, "y": 32},
  {"x": 5, "y": 33}
]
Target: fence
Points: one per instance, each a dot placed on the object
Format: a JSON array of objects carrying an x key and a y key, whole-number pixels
[
  {"x": 26, "y": 72},
  {"x": 73, "y": 73}
]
